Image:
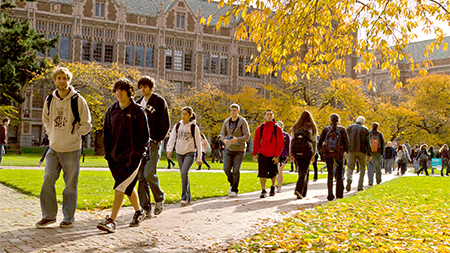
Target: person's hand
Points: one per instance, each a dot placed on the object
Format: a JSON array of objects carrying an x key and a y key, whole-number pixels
[
  {"x": 254, "y": 158},
  {"x": 233, "y": 140},
  {"x": 275, "y": 160},
  {"x": 292, "y": 158},
  {"x": 169, "y": 155},
  {"x": 199, "y": 163},
  {"x": 368, "y": 158},
  {"x": 312, "y": 159}
]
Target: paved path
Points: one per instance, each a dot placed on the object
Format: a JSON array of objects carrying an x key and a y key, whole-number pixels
[{"x": 204, "y": 226}]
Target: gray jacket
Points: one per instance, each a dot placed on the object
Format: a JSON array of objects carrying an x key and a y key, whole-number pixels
[
  {"x": 358, "y": 136},
  {"x": 242, "y": 133}
]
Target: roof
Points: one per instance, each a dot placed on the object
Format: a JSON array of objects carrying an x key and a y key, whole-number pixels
[{"x": 417, "y": 48}]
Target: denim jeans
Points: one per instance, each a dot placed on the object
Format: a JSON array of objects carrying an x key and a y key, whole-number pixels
[
  {"x": 217, "y": 156},
  {"x": 388, "y": 165},
  {"x": 416, "y": 165},
  {"x": 185, "y": 162},
  {"x": 232, "y": 167},
  {"x": 148, "y": 179},
  {"x": 204, "y": 161},
  {"x": 352, "y": 157},
  {"x": 69, "y": 162},
  {"x": 303, "y": 175},
  {"x": 2, "y": 152},
  {"x": 374, "y": 167}
]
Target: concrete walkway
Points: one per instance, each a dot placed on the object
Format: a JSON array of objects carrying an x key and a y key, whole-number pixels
[{"x": 206, "y": 225}]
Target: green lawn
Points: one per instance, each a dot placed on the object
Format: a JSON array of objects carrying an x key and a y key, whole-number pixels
[
  {"x": 95, "y": 187},
  {"x": 407, "y": 214}
]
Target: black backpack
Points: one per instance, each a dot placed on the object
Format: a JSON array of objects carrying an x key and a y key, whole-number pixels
[
  {"x": 332, "y": 146},
  {"x": 76, "y": 115},
  {"x": 301, "y": 143}
]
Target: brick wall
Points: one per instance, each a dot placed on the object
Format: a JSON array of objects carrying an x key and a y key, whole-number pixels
[
  {"x": 191, "y": 22},
  {"x": 112, "y": 12},
  {"x": 88, "y": 9},
  {"x": 66, "y": 9},
  {"x": 170, "y": 19},
  {"x": 133, "y": 19},
  {"x": 42, "y": 6},
  {"x": 150, "y": 21}
]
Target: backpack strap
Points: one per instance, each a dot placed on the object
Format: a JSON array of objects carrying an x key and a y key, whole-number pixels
[
  {"x": 193, "y": 134},
  {"x": 177, "y": 126},
  {"x": 49, "y": 101},
  {"x": 261, "y": 129},
  {"x": 76, "y": 114}
]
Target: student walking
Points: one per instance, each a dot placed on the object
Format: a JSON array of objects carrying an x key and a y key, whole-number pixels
[
  {"x": 377, "y": 146},
  {"x": 185, "y": 138},
  {"x": 284, "y": 157},
  {"x": 217, "y": 144},
  {"x": 126, "y": 137},
  {"x": 303, "y": 148},
  {"x": 44, "y": 143},
  {"x": 159, "y": 123},
  {"x": 205, "y": 146},
  {"x": 333, "y": 142},
  {"x": 445, "y": 156},
  {"x": 423, "y": 158},
  {"x": 267, "y": 149},
  {"x": 66, "y": 118},
  {"x": 235, "y": 133},
  {"x": 402, "y": 159},
  {"x": 3, "y": 137},
  {"x": 388, "y": 157},
  {"x": 170, "y": 162}
]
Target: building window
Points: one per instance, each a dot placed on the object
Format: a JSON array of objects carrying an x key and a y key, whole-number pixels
[
  {"x": 206, "y": 63},
  {"x": 99, "y": 10},
  {"x": 97, "y": 51},
  {"x": 53, "y": 50},
  {"x": 168, "y": 58},
  {"x": 86, "y": 50},
  {"x": 178, "y": 59},
  {"x": 180, "y": 21},
  {"x": 129, "y": 55},
  {"x": 248, "y": 62},
  {"x": 241, "y": 66},
  {"x": 109, "y": 52},
  {"x": 223, "y": 65},
  {"x": 64, "y": 48},
  {"x": 139, "y": 56},
  {"x": 188, "y": 61},
  {"x": 149, "y": 57},
  {"x": 214, "y": 64}
]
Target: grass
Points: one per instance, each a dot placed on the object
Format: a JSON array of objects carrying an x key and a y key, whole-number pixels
[
  {"x": 95, "y": 187},
  {"x": 407, "y": 214}
]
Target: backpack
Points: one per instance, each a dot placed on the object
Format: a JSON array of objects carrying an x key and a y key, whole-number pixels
[
  {"x": 301, "y": 143},
  {"x": 75, "y": 112},
  {"x": 402, "y": 156},
  {"x": 375, "y": 143},
  {"x": 389, "y": 153},
  {"x": 177, "y": 126},
  {"x": 332, "y": 146},
  {"x": 423, "y": 156}
]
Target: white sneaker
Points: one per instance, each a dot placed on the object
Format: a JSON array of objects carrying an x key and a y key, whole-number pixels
[
  {"x": 184, "y": 202},
  {"x": 233, "y": 194},
  {"x": 278, "y": 190},
  {"x": 229, "y": 191},
  {"x": 159, "y": 207}
]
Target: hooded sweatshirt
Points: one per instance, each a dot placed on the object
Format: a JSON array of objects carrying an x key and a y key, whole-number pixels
[
  {"x": 58, "y": 122},
  {"x": 183, "y": 141}
]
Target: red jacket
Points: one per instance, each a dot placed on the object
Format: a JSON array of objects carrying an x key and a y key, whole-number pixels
[{"x": 269, "y": 145}]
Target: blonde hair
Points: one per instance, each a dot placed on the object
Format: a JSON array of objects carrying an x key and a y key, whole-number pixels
[{"x": 61, "y": 70}]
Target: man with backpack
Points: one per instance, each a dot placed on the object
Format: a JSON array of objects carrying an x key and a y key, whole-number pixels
[
  {"x": 377, "y": 148},
  {"x": 159, "y": 123},
  {"x": 235, "y": 134},
  {"x": 359, "y": 150},
  {"x": 268, "y": 144},
  {"x": 333, "y": 142},
  {"x": 64, "y": 129},
  {"x": 388, "y": 157}
]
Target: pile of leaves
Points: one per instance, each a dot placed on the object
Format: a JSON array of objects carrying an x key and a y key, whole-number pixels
[{"x": 408, "y": 214}]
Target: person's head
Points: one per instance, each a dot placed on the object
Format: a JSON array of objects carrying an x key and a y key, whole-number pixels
[
  {"x": 400, "y": 147},
  {"x": 234, "y": 110},
  {"x": 269, "y": 116},
  {"x": 5, "y": 121},
  {"x": 203, "y": 136},
  {"x": 280, "y": 124},
  {"x": 444, "y": 147},
  {"x": 423, "y": 146},
  {"x": 361, "y": 120},
  {"x": 406, "y": 141},
  {"x": 416, "y": 146},
  {"x": 123, "y": 89},
  {"x": 375, "y": 125},
  {"x": 306, "y": 119},
  {"x": 431, "y": 148},
  {"x": 334, "y": 120},
  {"x": 187, "y": 114},
  {"x": 389, "y": 143},
  {"x": 146, "y": 85},
  {"x": 61, "y": 78}
]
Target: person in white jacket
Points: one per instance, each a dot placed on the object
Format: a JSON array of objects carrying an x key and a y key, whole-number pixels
[
  {"x": 64, "y": 134},
  {"x": 187, "y": 141}
]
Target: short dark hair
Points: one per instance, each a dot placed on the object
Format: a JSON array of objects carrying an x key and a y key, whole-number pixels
[
  {"x": 190, "y": 111},
  {"x": 268, "y": 110},
  {"x": 146, "y": 80},
  {"x": 124, "y": 84},
  {"x": 5, "y": 119},
  {"x": 375, "y": 125}
]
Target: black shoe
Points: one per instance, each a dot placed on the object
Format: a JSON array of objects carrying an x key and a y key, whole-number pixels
[
  {"x": 348, "y": 187},
  {"x": 66, "y": 224},
  {"x": 209, "y": 168},
  {"x": 107, "y": 225},
  {"x": 199, "y": 168},
  {"x": 330, "y": 198},
  {"x": 272, "y": 191},
  {"x": 137, "y": 218},
  {"x": 44, "y": 223},
  {"x": 263, "y": 194},
  {"x": 299, "y": 196}
]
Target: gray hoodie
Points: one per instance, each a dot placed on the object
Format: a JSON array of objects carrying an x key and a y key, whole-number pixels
[{"x": 242, "y": 133}]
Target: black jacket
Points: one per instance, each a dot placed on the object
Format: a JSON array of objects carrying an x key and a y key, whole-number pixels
[
  {"x": 358, "y": 136},
  {"x": 344, "y": 135},
  {"x": 157, "y": 116},
  {"x": 125, "y": 132}
]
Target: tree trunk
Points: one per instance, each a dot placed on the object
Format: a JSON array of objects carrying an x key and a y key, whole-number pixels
[{"x": 99, "y": 147}]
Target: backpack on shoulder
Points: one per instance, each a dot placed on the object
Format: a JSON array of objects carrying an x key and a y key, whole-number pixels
[
  {"x": 301, "y": 143},
  {"x": 332, "y": 146},
  {"x": 375, "y": 143}
]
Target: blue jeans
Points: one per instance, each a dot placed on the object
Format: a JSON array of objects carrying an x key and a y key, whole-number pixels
[
  {"x": 2, "y": 152},
  {"x": 185, "y": 162},
  {"x": 388, "y": 165},
  {"x": 148, "y": 179},
  {"x": 416, "y": 165},
  {"x": 69, "y": 162},
  {"x": 374, "y": 166},
  {"x": 232, "y": 161}
]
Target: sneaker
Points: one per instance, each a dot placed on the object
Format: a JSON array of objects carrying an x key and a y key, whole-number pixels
[
  {"x": 44, "y": 223},
  {"x": 159, "y": 207},
  {"x": 148, "y": 213},
  {"x": 348, "y": 187},
  {"x": 278, "y": 189},
  {"x": 107, "y": 225},
  {"x": 137, "y": 218},
  {"x": 185, "y": 202},
  {"x": 299, "y": 196},
  {"x": 66, "y": 224},
  {"x": 229, "y": 191},
  {"x": 263, "y": 194},
  {"x": 233, "y": 194},
  {"x": 272, "y": 191}
]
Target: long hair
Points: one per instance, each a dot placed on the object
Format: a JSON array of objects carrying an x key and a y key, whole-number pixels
[
  {"x": 306, "y": 120},
  {"x": 444, "y": 147}
]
